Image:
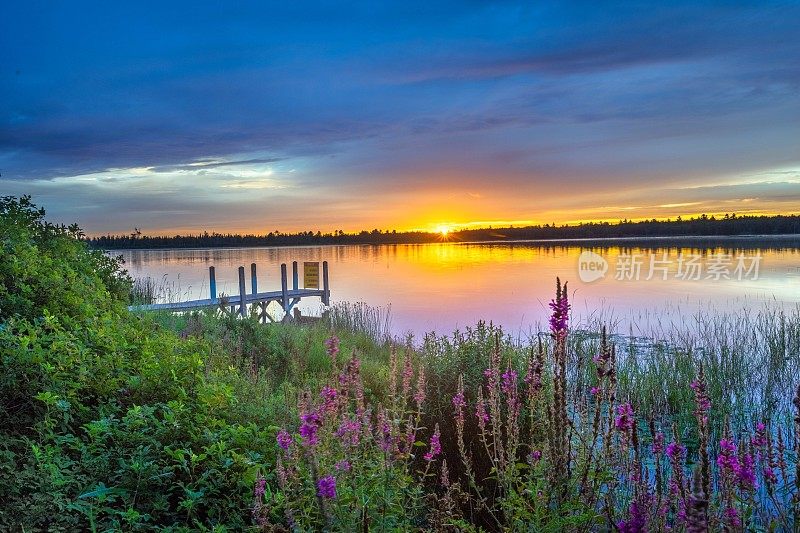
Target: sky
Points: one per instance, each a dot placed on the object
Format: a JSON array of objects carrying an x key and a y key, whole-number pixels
[{"x": 259, "y": 116}]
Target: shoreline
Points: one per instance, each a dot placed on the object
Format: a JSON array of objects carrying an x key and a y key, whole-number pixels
[{"x": 772, "y": 238}]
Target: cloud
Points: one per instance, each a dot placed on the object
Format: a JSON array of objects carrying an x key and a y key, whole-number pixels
[
  {"x": 505, "y": 106},
  {"x": 205, "y": 164}
]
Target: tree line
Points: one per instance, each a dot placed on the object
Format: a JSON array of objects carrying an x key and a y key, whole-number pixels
[{"x": 703, "y": 225}]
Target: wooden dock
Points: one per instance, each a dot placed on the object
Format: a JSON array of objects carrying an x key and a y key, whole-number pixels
[{"x": 287, "y": 298}]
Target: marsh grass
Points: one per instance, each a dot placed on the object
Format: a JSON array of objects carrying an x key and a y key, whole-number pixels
[
  {"x": 148, "y": 290},
  {"x": 750, "y": 358},
  {"x": 358, "y": 317},
  {"x": 143, "y": 291}
]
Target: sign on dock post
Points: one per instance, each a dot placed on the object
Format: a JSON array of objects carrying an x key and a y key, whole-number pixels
[{"x": 310, "y": 275}]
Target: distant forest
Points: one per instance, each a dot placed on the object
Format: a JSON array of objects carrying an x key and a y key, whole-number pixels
[{"x": 728, "y": 225}]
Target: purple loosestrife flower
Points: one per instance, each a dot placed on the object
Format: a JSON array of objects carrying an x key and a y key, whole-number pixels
[
  {"x": 533, "y": 377},
  {"x": 746, "y": 474},
  {"x": 727, "y": 460},
  {"x": 419, "y": 393},
  {"x": 594, "y": 391},
  {"x": 309, "y": 424},
  {"x": 769, "y": 475},
  {"x": 681, "y": 511},
  {"x": 560, "y": 315},
  {"x": 701, "y": 398},
  {"x": 343, "y": 465},
  {"x": 459, "y": 403},
  {"x": 282, "y": 473},
  {"x": 326, "y": 487},
  {"x": 731, "y": 515},
  {"x": 260, "y": 487},
  {"x": 258, "y": 498},
  {"x": 349, "y": 432},
  {"x": 408, "y": 373},
  {"x": 509, "y": 383},
  {"x": 675, "y": 451},
  {"x": 760, "y": 438},
  {"x": 458, "y": 400},
  {"x": 624, "y": 420},
  {"x": 332, "y": 346},
  {"x": 534, "y": 457},
  {"x": 481, "y": 414},
  {"x": 284, "y": 439},
  {"x": 491, "y": 376},
  {"x": 384, "y": 431},
  {"x": 436, "y": 446},
  {"x": 329, "y": 395},
  {"x": 658, "y": 443},
  {"x": 637, "y": 520}
]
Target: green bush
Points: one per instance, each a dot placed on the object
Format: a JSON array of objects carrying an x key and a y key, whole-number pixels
[{"x": 108, "y": 420}]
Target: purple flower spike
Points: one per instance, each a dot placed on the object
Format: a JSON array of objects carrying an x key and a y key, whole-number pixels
[
  {"x": 326, "y": 487},
  {"x": 560, "y": 315},
  {"x": 658, "y": 443},
  {"x": 675, "y": 450},
  {"x": 310, "y": 423},
  {"x": 624, "y": 420},
  {"x": 459, "y": 401},
  {"x": 436, "y": 445},
  {"x": 509, "y": 383},
  {"x": 284, "y": 439},
  {"x": 332, "y": 346},
  {"x": 637, "y": 521},
  {"x": 260, "y": 487}
]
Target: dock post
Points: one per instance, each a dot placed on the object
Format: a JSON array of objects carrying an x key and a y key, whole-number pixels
[
  {"x": 253, "y": 279},
  {"x": 294, "y": 275},
  {"x": 284, "y": 290},
  {"x": 242, "y": 294},
  {"x": 212, "y": 283},
  {"x": 326, "y": 290}
]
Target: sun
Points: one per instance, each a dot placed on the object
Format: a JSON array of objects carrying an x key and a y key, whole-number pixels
[{"x": 443, "y": 230}]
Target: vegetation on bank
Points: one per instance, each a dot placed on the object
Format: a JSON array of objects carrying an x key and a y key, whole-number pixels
[
  {"x": 727, "y": 225},
  {"x": 110, "y": 420}
]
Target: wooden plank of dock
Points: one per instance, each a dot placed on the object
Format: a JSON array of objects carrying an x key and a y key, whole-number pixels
[{"x": 250, "y": 298}]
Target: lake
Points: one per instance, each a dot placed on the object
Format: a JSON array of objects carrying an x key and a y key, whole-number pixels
[{"x": 638, "y": 284}]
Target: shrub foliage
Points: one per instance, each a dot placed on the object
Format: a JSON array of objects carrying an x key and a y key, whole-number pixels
[{"x": 106, "y": 419}]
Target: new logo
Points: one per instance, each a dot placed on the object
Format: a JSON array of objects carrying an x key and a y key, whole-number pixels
[{"x": 591, "y": 266}]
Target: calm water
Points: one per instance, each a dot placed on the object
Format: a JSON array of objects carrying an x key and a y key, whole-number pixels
[{"x": 445, "y": 286}]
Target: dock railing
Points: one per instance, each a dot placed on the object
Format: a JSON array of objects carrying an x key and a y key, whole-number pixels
[{"x": 287, "y": 298}]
